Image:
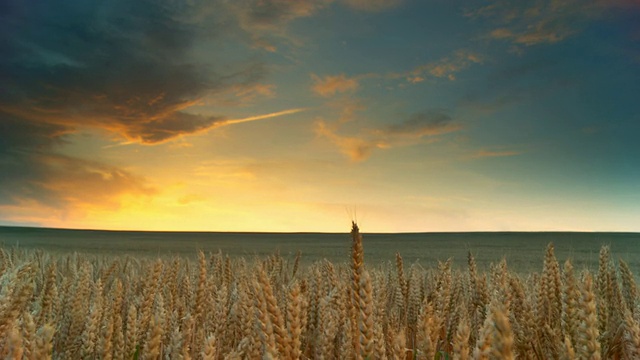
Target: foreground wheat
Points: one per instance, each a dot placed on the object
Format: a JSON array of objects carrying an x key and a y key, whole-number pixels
[{"x": 92, "y": 307}]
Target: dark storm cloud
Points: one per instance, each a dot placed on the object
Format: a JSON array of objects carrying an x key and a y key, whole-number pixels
[
  {"x": 18, "y": 135},
  {"x": 123, "y": 66}
]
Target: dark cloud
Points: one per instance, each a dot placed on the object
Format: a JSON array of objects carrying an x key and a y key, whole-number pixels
[
  {"x": 125, "y": 67},
  {"x": 169, "y": 126},
  {"x": 18, "y": 135},
  {"x": 30, "y": 173}
]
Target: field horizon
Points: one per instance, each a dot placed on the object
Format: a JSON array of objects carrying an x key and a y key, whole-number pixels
[
  {"x": 27, "y": 227},
  {"x": 522, "y": 250}
]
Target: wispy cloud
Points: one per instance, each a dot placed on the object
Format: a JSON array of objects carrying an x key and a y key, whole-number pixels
[
  {"x": 373, "y": 5},
  {"x": 262, "y": 117},
  {"x": 266, "y": 21},
  {"x": 420, "y": 125},
  {"x": 538, "y": 22},
  {"x": 418, "y": 128},
  {"x": 330, "y": 85},
  {"x": 446, "y": 67},
  {"x": 542, "y": 22},
  {"x": 484, "y": 153}
]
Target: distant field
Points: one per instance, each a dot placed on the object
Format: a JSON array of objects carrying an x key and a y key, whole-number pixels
[{"x": 523, "y": 251}]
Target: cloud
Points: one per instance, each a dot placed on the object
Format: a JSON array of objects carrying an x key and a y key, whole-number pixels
[
  {"x": 41, "y": 187},
  {"x": 483, "y": 153},
  {"x": 127, "y": 69},
  {"x": 420, "y": 125},
  {"x": 124, "y": 67},
  {"x": 267, "y": 20},
  {"x": 249, "y": 93},
  {"x": 356, "y": 148},
  {"x": 542, "y": 22},
  {"x": 330, "y": 85},
  {"x": 263, "y": 116},
  {"x": 373, "y": 5},
  {"x": 32, "y": 176},
  {"x": 447, "y": 67},
  {"x": 170, "y": 127},
  {"x": 538, "y": 22},
  {"x": 418, "y": 128}
]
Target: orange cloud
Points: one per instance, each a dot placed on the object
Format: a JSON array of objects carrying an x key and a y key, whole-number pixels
[
  {"x": 356, "y": 148},
  {"x": 330, "y": 85}
]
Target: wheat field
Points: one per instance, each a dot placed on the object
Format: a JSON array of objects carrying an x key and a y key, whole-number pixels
[{"x": 119, "y": 307}]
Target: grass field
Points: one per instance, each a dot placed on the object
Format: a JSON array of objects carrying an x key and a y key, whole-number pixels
[{"x": 72, "y": 306}]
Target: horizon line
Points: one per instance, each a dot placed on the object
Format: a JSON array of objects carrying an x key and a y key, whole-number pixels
[{"x": 317, "y": 232}]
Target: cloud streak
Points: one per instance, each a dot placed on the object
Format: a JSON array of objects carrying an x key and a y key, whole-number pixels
[{"x": 263, "y": 116}]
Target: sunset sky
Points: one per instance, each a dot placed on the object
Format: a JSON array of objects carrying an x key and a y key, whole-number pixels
[{"x": 276, "y": 115}]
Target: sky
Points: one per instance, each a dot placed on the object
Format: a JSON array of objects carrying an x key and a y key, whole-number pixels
[{"x": 279, "y": 115}]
